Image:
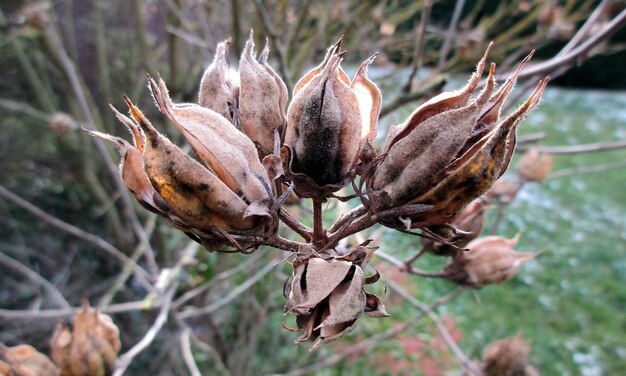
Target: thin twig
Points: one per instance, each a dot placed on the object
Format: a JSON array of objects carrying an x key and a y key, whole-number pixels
[
  {"x": 295, "y": 225},
  {"x": 583, "y": 148},
  {"x": 450, "y": 34},
  {"x": 185, "y": 347},
  {"x": 17, "y": 266},
  {"x": 29, "y": 314},
  {"x": 407, "y": 267},
  {"x": 577, "y": 53},
  {"x": 221, "y": 302},
  {"x": 585, "y": 170},
  {"x": 124, "y": 360},
  {"x": 419, "y": 46},
  {"x": 140, "y": 273}
]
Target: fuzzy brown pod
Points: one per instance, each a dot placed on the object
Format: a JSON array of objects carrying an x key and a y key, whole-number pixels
[
  {"x": 219, "y": 87},
  {"x": 490, "y": 259},
  {"x": 90, "y": 348},
  {"x": 25, "y": 360},
  {"x": 462, "y": 229},
  {"x": 508, "y": 357},
  {"x": 327, "y": 296},
  {"x": 262, "y": 99},
  {"x": 450, "y": 150},
  {"x": 329, "y": 122},
  {"x": 534, "y": 165}
]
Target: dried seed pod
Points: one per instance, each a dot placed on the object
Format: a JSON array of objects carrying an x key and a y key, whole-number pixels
[
  {"x": 195, "y": 194},
  {"x": 327, "y": 296},
  {"x": 61, "y": 122},
  {"x": 534, "y": 165},
  {"x": 508, "y": 357},
  {"x": 90, "y": 349},
  {"x": 329, "y": 121},
  {"x": 25, "y": 360},
  {"x": 450, "y": 150},
  {"x": 262, "y": 99},
  {"x": 502, "y": 191},
  {"x": 219, "y": 88},
  {"x": 228, "y": 152},
  {"x": 491, "y": 259}
]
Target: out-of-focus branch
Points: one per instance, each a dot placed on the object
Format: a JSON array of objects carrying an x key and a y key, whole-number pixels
[
  {"x": 454, "y": 347},
  {"x": 221, "y": 302},
  {"x": 450, "y": 34},
  {"x": 185, "y": 348},
  {"x": 576, "y": 54},
  {"x": 140, "y": 273},
  {"x": 29, "y": 314},
  {"x": 406, "y": 267},
  {"x": 274, "y": 40},
  {"x": 122, "y": 363},
  {"x": 17, "y": 266},
  {"x": 419, "y": 46},
  {"x": 583, "y": 148},
  {"x": 586, "y": 170}
]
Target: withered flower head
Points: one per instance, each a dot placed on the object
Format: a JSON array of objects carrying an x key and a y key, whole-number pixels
[
  {"x": 534, "y": 165},
  {"x": 90, "y": 348},
  {"x": 508, "y": 357},
  {"x": 490, "y": 259},
  {"x": 25, "y": 360},
  {"x": 219, "y": 88},
  {"x": 327, "y": 296},
  {"x": 451, "y": 149},
  {"x": 330, "y": 119}
]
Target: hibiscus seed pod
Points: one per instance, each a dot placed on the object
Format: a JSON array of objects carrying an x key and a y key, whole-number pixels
[
  {"x": 534, "y": 165},
  {"x": 219, "y": 87},
  {"x": 262, "y": 99},
  {"x": 490, "y": 259},
  {"x": 327, "y": 296},
  {"x": 507, "y": 357},
  {"x": 25, "y": 360},
  {"x": 195, "y": 194},
  {"x": 90, "y": 348},
  {"x": 330, "y": 119}
]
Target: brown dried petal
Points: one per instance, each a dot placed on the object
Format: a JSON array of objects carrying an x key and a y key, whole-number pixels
[
  {"x": 219, "y": 88},
  {"x": 196, "y": 195},
  {"x": 313, "y": 282},
  {"x": 347, "y": 301},
  {"x": 25, "y": 360},
  {"x": 227, "y": 151},
  {"x": 369, "y": 99},
  {"x": 262, "y": 99}
]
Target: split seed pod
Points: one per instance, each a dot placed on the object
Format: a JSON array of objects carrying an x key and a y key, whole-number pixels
[
  {"x": 262, "y": 99},
  {"x": 327, "y": 296},
  {"x": 490, "y": 259},
  {"x": 90, "y": 349},
  {"x": 450, "y": 150},
  {"x": 25, "y": 360},
  {"x": 330, "y": 119}
]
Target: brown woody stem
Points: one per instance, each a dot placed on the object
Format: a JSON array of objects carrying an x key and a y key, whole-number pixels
[
  {"x": 296, "y": 226},
  {"x": 319, "y": 233}
]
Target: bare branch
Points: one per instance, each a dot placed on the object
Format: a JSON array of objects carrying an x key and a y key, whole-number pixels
[
  {"x": 28, "y": 314},
  {"x": 583, "y": 148},
  {"x": 124, "y": 360},
  {"x": 419, "y": 46},
  {"x": 586, "y": 170},
  {"x": 185, "y": 347},
  {"x": 15, "y": 265},
  {"x": 140, "y": 273}
]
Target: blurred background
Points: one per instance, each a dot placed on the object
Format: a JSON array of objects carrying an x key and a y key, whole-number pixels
[{"x": 67, "y": 231}]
